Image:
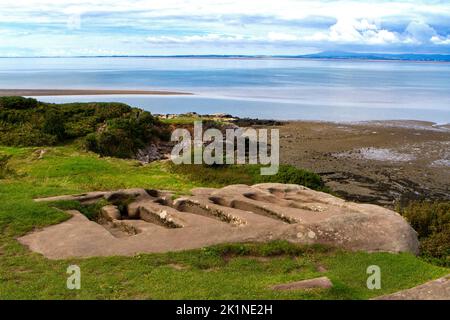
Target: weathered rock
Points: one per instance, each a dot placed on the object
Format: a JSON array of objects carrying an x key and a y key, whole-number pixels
[
  {"x": 235, "y": 213},
  {"x": 316, "y": 283},
  {"x": 156, "y": 213},
  {"x": 149, "y": 154},
  {"x": 111, "y": 213},
  {"x": 83, "y": 198},
  {"x": 40, "y": 153},
  {"x": 133, "y": 209},
  {"x": 126, "y": 195}
]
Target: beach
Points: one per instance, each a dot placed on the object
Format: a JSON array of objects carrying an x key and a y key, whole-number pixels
[{"x": 380, "y": 162}]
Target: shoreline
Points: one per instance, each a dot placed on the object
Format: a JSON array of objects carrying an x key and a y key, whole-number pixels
[
  {"x": 392, "y": 123},
  {"x": 179, "y": 101},
  {"x": 233, "y": 58},
  {"x": 381, "y": 163},
  {"x": 83, "y": 92}
]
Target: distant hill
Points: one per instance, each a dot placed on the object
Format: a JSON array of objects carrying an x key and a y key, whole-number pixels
[
  {"x": 321, "y": 55},
  {"x": 377, "y": 56}
]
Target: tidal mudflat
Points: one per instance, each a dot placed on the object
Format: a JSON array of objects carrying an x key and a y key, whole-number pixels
[{"x": 378, "y": 162}]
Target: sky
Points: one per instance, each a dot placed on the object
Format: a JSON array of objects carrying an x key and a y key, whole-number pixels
[{"x": 244, "y": 27}]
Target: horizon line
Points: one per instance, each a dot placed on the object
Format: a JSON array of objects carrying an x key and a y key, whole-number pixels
[{"x": 326, "y": 55}]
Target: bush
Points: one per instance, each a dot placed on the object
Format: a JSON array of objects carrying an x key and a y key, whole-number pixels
[
  {"x": 111, "y": 143},
  {"x": 110, "y": 129},
  {"x": 437, "y": 246},
  {"x": 431, "y": 220},
  {"x": 18, "y": 103},
  {"x": 215, "y": 176},
  {"x": 54, "y": 125},
  {"x": 428, "y": 217},
  {"x": 25, "y": 136},
  {"x": 123, "y": 137}
]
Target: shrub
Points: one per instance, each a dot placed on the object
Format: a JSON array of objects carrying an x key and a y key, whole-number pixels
[
  {"x": 54, "y": 125},
  {"x": 19, "y": 103},
  {"x": 431, "y": 220},
  {"x": 111, "y": 143},
  {"x": 428, "y": 217},
  {"x": 292, "y": 175},
  {"x": 437, "y": 246},
  {"x": 25, "y": 136},
  {"x": 123, "y": 137},
  {"x": 104, "y": 111},
  {"x": 110, "y": 129}
]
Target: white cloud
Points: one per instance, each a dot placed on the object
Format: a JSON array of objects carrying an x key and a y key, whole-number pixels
[
  {"x": 194, "y": 39},
  {"x": 252, "y": 25},
  {"x": 279, "y": 36},
  {"x": 282, "y": 9},
  {"x": 218, "y": 38},
  {"x": 440, "y": 40},
  {"x": 366, "y": 32},
  {"x": 355, "y": 31},
  {"x": 288, "y": 9}
]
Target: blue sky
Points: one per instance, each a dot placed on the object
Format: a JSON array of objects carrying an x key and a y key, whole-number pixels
[{"x": 171, "y": 27}]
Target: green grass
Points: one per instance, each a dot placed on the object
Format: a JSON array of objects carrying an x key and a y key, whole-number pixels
[
  {"x": 221, "y": 175},
  {"x": 235, "y": 271}
]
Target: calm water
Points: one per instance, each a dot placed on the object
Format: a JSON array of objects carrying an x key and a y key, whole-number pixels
[{"x": 281, "y": 89}]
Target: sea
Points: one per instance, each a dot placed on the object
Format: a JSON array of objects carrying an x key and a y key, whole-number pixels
[{"x": 265, "y": 88}]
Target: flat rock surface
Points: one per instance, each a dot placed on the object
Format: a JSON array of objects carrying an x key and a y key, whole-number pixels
[
  {"x": 433, "y": 290},
  {"x": 237, "y": 213}
]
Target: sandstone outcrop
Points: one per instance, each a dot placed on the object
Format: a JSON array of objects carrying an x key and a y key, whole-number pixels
[{"x": 153, "y": 221}]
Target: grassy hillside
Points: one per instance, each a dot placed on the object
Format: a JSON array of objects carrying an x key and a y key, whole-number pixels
[
  {"x": 226, "y": 271},
  {"x": 109, "y": 129}
]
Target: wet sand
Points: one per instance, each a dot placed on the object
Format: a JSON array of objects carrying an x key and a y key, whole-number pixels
[
  {"x": 80, "y": 92},
  {"x": 381, "y": 162}
]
